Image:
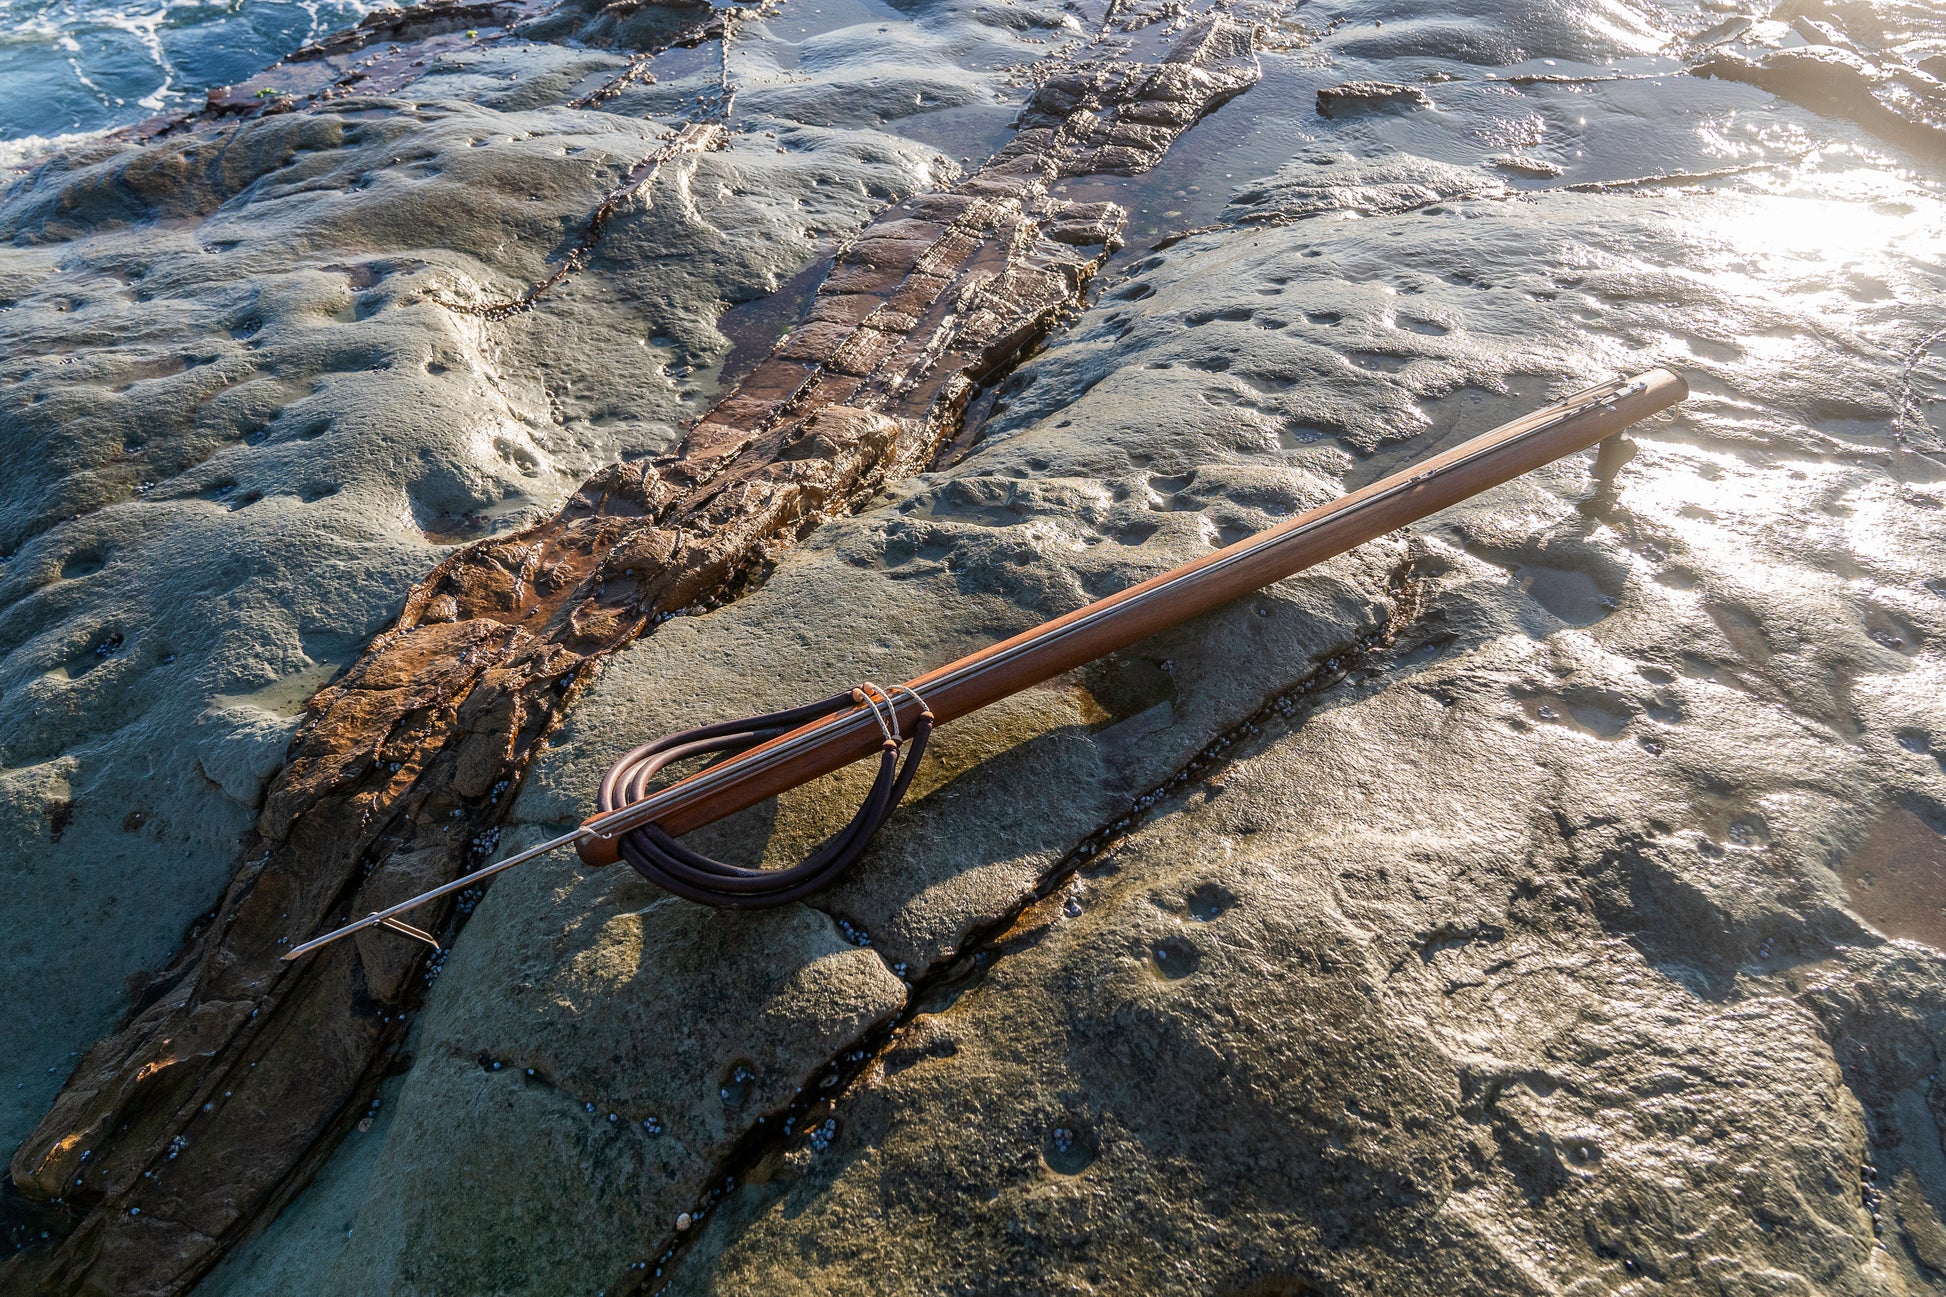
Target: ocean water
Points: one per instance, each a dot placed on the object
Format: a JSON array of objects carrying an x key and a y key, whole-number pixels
[{"x": 73, "y": 67}]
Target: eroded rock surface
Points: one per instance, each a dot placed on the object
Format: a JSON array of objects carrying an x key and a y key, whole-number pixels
[
  {"x": 1899, "y": 102},
  {"x": 1356, "y": 97},
  {"x": 1524, "y": 904},
  {"x": 1322, "y": 183},
  {"x": 398, "y": 776},
  {"x": 250, "y": 404},
  {"x": 1525, "y": 962},
  {"x": 1499, "y": 935},
  {"x": 1299, "y": 1036}
]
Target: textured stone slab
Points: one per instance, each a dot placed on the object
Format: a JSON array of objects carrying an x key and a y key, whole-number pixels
[
  {"x": 408, "y": 756},
  {"x": 1513, "y": 936}
]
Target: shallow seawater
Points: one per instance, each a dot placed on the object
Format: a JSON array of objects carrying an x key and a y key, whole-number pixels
[{"x": 74, "y": 66}]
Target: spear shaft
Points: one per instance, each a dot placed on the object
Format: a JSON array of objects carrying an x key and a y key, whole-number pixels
[
  {"x": 1134, "y": 614},
  {"x": 938, "y": 697}
]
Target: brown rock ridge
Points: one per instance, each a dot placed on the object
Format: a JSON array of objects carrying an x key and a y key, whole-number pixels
[
  {"x": 411, "y": 34},
  {"x": 237, "y": 1074}
]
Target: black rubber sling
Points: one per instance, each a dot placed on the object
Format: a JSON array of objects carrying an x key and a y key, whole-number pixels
[{"x": 670, "y": 865}]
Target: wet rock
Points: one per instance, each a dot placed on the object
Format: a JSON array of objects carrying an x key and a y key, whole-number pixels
[
  {"x": 596, "y": 1039},
  {"x": 1512, "y": 867},
  {"x": 1322, "y": 183},
  {"x": 392, "y": 48},
  {"x": 267, "y": 430},
  {"x": 1354, "y": 97},
  {"x": 1453, "y": 1117},
  {"x": 1521, "y": 165},
  {"x": 1899, "y": 103},
  {"x": 1328, "y": 1100},
  {"x": 405, "y": 759}
]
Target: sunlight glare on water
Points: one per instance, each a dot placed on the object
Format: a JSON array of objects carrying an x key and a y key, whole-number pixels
[
  {"x": 1629, "y": 28},
  {"x": 1826, "y": 242},
  {"x": 1860, "y": 216}
]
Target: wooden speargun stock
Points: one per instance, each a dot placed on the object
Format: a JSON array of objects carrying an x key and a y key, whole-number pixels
[{"x": 768, "y": 755}]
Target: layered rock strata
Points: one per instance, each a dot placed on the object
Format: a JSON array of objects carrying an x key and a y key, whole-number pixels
[
  {"x": 1526, "y": 955},
  {"x": 389, "y": 50},
  {"x": 210, "y": 1105},
  {"x": 1584, "y": 938}
]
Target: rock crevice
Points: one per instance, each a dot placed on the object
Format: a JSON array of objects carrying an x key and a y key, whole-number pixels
[{"x": 246, "y": 1070}]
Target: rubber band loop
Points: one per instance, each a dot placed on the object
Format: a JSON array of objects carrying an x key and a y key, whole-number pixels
[
  {"x": 672, "y": 866},
  {"x": 889, "y": 731}
]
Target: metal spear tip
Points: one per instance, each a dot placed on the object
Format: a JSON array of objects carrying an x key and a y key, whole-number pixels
[{"x": 388, "y": 918}]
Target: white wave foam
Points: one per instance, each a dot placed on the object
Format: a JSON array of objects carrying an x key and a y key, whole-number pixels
[{"x": 28, "y": 149}]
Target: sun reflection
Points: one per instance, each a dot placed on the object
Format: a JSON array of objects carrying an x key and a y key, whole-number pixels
[
  {"x": 1722, "y": 513},
  {"x": 1851, "y": 216},
  {"x": 1626, "y": 26}
]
